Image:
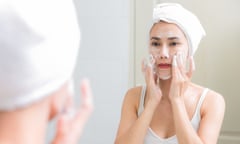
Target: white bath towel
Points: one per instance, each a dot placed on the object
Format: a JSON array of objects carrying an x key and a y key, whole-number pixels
[
  {"x": 186, "y": 20},
  {"x": 39, "y": 41}
]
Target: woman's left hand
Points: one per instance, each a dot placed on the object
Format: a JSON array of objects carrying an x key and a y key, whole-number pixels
[{"x": 180, "y": 78}]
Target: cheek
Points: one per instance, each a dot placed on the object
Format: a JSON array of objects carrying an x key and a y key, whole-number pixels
[
  {"x": 173, "y": 52},
  {"x": 183, "y": 51}
]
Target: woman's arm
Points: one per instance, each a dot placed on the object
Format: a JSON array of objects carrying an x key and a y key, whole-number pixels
[
  {"x": 132, "y": 129},
  {"x": 212, "y": 112}
]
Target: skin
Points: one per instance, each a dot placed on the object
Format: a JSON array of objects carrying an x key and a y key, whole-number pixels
[
  {"x": 170, "y": 103},
  {"x": 29, "y": 125},
  {"x": 69, "y": 128}
]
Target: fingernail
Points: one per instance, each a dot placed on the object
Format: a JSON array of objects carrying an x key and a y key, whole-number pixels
[{"x": 174, "y": 61}]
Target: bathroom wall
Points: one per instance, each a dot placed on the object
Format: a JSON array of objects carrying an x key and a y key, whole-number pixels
[{"x": 103, "y": 58}]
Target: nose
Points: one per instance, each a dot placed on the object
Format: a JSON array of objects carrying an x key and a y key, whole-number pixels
[{"x": 164, "y": 53}]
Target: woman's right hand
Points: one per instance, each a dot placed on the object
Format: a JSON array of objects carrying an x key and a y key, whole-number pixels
[
  {"x": 69, "y": 127},
  {"x": 153, "y": 91}
]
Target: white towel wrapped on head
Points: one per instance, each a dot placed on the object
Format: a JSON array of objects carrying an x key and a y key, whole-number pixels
[
  {"x": 187, "y": 22},
  {"x": 39, "y": 41}
]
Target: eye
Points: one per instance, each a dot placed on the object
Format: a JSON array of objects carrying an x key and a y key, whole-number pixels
[
  {"x": 155, "y": 44},
  {"x": 173, "y": 43}
]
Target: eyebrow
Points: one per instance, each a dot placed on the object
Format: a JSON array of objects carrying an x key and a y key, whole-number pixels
[
  {"x": 155, "y": 38},
  {"x": 173, "y": 38},
  {"x": 170, "y": 38}
]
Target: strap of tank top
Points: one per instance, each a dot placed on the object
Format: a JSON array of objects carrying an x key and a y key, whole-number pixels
[
  {"x": 201, "y": 99},
  {"x": 141, "y": 102}
]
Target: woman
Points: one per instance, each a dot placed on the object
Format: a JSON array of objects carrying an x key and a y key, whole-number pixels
[
  {"x": 39, "y": 42},
  {"x": 170, "y": 109}
]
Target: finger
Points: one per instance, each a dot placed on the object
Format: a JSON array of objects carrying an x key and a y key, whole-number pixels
[
  {"x": 62, "y": 125},
  {"x": 150, "y": 74},
  {"x": 68, "y": 111},
  {"x": 64, "y": 119},
  {"x": 86, "y": 94},
  {"x": 191, "y": 67},
  {"x": 181, "y": 66},
  {"x": 69, "y": 126},
  {"x": 151, "y": 59},
  {"x": 174, "y": 67},
  {"x": 152, "y": 62},
  {"x": 86, "y": 107},
  {"x": 147, "y": 70},
  {"x": 62, "y": 130},
  {"x": 69, "y": 103}
]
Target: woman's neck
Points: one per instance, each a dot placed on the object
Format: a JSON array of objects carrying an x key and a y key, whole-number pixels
[
  {"x": 24, "y": 126},
  {"x": 165, "y": 87}
]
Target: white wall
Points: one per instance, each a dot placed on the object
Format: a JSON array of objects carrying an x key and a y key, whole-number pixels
[{"x": 103, "y": 58}]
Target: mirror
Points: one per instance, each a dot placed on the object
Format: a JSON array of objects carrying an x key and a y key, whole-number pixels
[{"x": 216, "y": 59}]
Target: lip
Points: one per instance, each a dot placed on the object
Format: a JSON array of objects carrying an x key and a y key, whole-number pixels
[{"x": 164, "y": 66}]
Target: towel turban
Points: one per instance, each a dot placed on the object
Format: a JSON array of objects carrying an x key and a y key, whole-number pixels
[
  {"x": 184, "y": 19},
  {"x": 39, "y": 41}
]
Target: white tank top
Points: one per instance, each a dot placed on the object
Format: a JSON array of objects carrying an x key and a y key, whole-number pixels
[{"x": 152, "y": 138}]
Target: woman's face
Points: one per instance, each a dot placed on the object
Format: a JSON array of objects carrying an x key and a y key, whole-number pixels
[{"x": 167, "y": 40}]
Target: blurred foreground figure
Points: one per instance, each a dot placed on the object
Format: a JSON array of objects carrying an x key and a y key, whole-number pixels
[{"x": 39, "y": 41}]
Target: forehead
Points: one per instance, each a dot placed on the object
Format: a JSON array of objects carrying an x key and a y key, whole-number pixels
[{"x": 164, "y": 29}]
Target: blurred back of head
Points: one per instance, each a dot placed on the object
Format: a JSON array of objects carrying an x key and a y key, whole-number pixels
[{"x": 39, "y": 41}]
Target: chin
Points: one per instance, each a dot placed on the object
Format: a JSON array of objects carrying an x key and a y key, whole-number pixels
[{"x": 165, "y": 77}]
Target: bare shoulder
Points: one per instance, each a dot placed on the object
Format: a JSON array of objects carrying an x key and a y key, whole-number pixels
[
  {"x": 213, "y": 101},
  {"x": 212, "y": 115},
  {"x": 135, "y": 91},
  {"x": 132, "y": 96}
]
